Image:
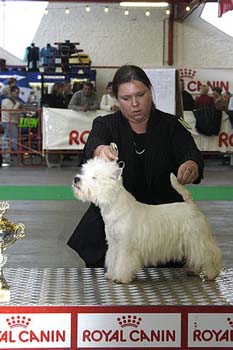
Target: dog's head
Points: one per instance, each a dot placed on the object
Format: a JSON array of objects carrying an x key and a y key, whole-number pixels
[{"x": 98, "y": 181}]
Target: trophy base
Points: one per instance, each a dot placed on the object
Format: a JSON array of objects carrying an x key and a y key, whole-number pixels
[
  {"x": 4, "y": 295},
  {"x": 4, "y": 289}
]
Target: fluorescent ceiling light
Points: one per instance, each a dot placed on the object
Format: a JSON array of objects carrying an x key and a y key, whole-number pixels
[{"x": 144, "y": 4}]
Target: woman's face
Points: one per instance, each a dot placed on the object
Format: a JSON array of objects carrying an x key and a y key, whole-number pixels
[
  {"x": 216, "y": 94},
  {"x": 109, "y": 90},
  {"x": 135, "y": 101}
]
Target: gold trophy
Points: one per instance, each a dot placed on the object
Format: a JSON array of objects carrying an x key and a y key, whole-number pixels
[{"x": 9, "y": 233}]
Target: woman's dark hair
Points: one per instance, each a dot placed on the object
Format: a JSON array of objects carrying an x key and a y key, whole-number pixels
[
  {"x": 88, "y": 83},
  {"x": 11, "y": 81},
  {"x": 127, "y": 73},
  {"x": 109, "y": 84},
  {"x": 218, "y": 90},
  {"x": 56, "y": 87},
  {"x": 14, "y": 88}
]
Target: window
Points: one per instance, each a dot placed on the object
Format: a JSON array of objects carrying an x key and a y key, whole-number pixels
[
  {"x": 19, "y": 22},
  {"x": 224, "y": 23}
]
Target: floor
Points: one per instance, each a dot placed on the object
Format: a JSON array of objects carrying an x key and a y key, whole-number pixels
[{"x": 49, "y": 223}]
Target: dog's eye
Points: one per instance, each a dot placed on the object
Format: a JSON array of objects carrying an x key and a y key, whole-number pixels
[{"x": 93, "y": 178}]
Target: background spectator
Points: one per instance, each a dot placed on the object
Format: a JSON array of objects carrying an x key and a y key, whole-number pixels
[
  {"x": 204, "y": 100},
  {"x": 221, "y": 104},
  {"x": 7, "y": 88},
  {"x": 108, "y": 101},
  {"x": 188, "y": 101},
  {"x": 56, "y": 98},
  {"x": 76, "y": 87},
  {"x": 230, "y": 104},
  {"x": 67, "y": 93},
  {"x": 85, "y": 99},
  {"x": 227, "y": 96},
  {"x": 9, "y": 122}
]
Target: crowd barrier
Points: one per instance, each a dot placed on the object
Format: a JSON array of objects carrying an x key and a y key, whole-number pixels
[
  {"x": 223, "y": 142},
  {"x": 68, "y": 130},
  {"x": 53, "y": 132},
  {"x": 21, "y": 141}
]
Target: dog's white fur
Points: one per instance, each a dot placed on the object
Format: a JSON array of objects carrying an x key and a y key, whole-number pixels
[{"x": 139, "y": 234}]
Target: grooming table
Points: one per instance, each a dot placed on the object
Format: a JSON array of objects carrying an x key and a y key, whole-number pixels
[{"x": 70, "y": 308}]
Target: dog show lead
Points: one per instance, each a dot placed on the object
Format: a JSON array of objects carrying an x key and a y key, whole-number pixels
[{"x": 151, "y": 143}]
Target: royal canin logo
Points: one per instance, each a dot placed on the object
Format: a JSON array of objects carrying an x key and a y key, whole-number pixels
[
  {"x": 18, "y": 331},
  {"x": 216, "y": 335},
  {"x": 18, "y": 321},
  {"x": 193, "y": 84},
  {"x": 129, "y": 321},
  {"x": 187, "y": 73},
  {"x": 128, "y": 329}
]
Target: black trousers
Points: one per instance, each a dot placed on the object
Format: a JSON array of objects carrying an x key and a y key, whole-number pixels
[{"x": 88, "y": 238}]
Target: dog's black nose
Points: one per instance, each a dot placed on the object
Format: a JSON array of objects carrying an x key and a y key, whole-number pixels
[{"x": 76, "y": 179}]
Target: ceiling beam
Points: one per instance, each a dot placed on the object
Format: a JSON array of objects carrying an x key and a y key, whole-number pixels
[
  {"x": 180, "y": 12},
  {"x": 111, "y": 1}
]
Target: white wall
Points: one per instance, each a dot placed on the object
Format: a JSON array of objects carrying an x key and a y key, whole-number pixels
[
  {"x": 114, "y": 39},
  {"x": 201, "y": 44}
]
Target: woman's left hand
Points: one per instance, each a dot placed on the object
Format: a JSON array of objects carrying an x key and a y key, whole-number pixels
[{"x": 188, "y": 172}]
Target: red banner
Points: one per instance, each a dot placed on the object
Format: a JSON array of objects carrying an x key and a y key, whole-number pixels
[
  {"x": 116, "y": 327},
  {"x": 224, "y": 6}
]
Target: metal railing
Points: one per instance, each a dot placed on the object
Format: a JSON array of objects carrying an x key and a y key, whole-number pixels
[{"x": 21, "y": 137}]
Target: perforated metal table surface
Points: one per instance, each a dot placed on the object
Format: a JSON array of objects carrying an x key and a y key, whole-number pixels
[{"x": 73, "y": 286}]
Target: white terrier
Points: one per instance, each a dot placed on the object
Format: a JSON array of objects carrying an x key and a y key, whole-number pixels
[{"x": 139, "y": 234}]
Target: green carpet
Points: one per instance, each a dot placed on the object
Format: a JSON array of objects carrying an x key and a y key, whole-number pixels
[{"x": 200, "y": 193}]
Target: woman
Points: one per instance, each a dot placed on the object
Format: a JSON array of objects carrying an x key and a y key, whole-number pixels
[
  {"x": 221, "y": 104},
  {"x": 10, "y": 120},
  {"x": 151, "y": 143},
  {"x": 109, "y": 102},
  {"x": 204, "y": 100},
  {"x": 56, "y": 98}
]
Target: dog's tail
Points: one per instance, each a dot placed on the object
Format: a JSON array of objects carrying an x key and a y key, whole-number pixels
[{"x": 187, "y": 197}]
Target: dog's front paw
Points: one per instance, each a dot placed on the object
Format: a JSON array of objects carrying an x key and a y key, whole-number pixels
[
  {"x": 123, "y": 279},
  {"x": 108, "y": 276}
]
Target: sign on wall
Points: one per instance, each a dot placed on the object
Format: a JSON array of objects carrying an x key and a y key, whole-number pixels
[
  {"x": 213, "y": 77},
  {"x": 164, "y": 88}
]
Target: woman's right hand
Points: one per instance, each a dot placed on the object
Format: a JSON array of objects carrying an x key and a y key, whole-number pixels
[{"x": 105, "y": 152}]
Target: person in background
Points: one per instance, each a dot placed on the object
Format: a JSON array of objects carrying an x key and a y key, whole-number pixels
[
  {"x": 32, "y": 98},
  {"x": 204, "y": 100},
  {"x": 56, "y": 98},
  {"x": 67, "y": 93},
  {"x": 10, "y": 120},
  {"x": 151, "y": 143},
  {"x": 230, "y": 103},
  {"x": 6, "y": 90},
  {"x": 227, "y": 96},
  {"x": 38, "y": 95},
  {"x": 85, "y": 99},
  {"x": 221, "y": 104},
  {"x": 230, "y": 110},
  {"x": 109, "y": 102},
  {"x": 76, "y": 87},
  {"x": 188, "y": 101}
]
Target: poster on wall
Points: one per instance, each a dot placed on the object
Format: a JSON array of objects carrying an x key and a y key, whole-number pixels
[
  {"x": 164, "y": 88},
  {"x": 213, "y": 77}
]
